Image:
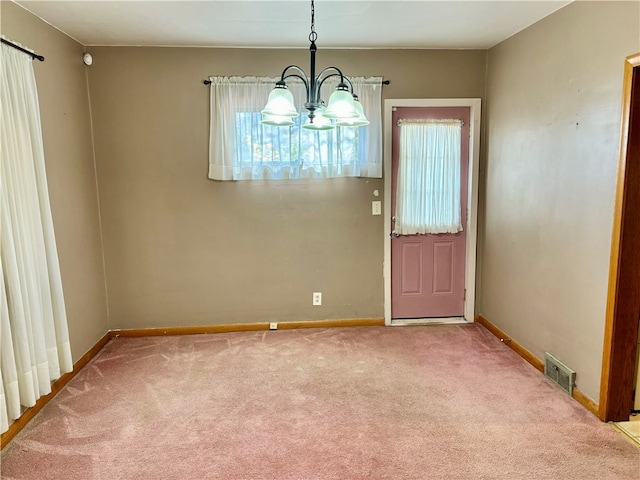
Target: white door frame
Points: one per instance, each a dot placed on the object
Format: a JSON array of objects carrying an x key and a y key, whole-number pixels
[{"x": 472, "y": 202}]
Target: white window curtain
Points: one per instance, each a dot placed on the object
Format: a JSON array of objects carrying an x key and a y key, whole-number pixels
[
  {"x": 33, "y": 326},
  {"x": 241, "y": 148},
  {"x": 428, "y": 182}
]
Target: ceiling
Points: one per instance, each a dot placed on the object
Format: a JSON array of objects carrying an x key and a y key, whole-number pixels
[{"x": 475, "y": 24}]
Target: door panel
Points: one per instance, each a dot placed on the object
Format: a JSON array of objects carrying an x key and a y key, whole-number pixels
[
  {"x": 411, "y": 281},
  {"x": 428, "y": 271},
  {"x": 443, "y": 271}
]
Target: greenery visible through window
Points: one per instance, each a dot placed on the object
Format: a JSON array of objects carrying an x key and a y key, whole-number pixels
[{"x": 273, "y": 146}]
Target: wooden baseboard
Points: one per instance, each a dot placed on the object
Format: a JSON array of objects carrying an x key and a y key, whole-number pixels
[
  {"x": 350, "y": 322},
  {"x": 512, "y": 344},
  {"x": 56, "y": 386},
  {"x": 577, "y": 395},
  {"x": 195, "y": 330},
  {"x": 585, "y": 401},
  {"x": 246, "y": 327}
]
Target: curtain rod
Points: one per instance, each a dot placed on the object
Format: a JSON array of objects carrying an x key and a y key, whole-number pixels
[
  {"x": 384, "y": 82},
  {"x": 18, "y": 47}
]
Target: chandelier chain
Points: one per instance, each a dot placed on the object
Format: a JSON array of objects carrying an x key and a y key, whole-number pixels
[{"x": 313, "y": 36}]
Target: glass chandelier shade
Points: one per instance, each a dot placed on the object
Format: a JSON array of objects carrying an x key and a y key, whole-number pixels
[
  {"x": 280, "y": 102},
  {"x": 342, "y": 106},
  {"x": 277, "y": 120},
  {"x": 359, "y": 121},
  {"x": 320, "y": 121}
]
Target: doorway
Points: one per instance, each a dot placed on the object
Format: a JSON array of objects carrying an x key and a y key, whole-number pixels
[
  {"x": 427, "y": 269},
  {"x": 472, "y": 107},
  {"x": 623, "y": 299}
]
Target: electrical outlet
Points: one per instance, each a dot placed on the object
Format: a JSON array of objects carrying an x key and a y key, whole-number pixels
[
  {"x": 273, "y": 326},
  {"x": 376, "y": 207},
  {"x": 317, "y": 298}
]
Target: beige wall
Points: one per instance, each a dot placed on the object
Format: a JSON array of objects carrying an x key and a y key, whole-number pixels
[
  {"x": 184, "y": 250},
  {"x": 554, "y": 96},
  {"x": 66, "y": 126}
]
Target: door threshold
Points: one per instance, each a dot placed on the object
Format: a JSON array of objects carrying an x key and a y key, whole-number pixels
[{"x": 401, "y": 322}]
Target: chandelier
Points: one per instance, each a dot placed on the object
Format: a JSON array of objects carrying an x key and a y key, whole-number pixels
[{"x": 343, "y": 109}]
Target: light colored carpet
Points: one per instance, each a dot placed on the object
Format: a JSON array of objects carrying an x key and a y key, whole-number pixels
[{"x": 436, "y": 402}]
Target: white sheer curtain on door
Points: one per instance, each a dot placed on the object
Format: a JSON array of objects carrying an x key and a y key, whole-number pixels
[
  {"x": 33, "y": 323},
  {"x": 428, "y": 183}
]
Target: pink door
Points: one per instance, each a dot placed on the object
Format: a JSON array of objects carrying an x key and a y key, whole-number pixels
[{"x": 427, "y": 271}]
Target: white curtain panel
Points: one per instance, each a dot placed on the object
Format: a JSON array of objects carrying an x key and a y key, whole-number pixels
[
  {"x": 266, "y": 152},
  {"x": 369, "y": 91},
  {"x": 34, "y": 334},
  {"x": 428, "y": 184}
]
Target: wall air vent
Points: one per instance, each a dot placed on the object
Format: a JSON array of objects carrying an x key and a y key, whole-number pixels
[{"x": 559, "y": 373}]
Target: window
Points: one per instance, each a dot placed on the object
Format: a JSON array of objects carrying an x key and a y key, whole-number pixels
[
  {"x": 428, "y": 185},
  {"x": 241, "y": 148}
]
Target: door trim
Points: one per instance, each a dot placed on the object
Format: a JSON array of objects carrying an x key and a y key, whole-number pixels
[
  {"x": 474, "y": 105},
  {"x": 623, "y": 295}
]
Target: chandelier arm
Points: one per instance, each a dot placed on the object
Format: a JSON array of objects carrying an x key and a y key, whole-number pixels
[
  {"x": 343, "y": 79},
  {"x": 320, "y": 79},
  {"x": 328, "y": 69},
  {"x": 296, "y": 67},
  {"x": 304, "y": 81},
  {"x": 346, "y": 79},
  {"x": 321, "y": 82}
]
